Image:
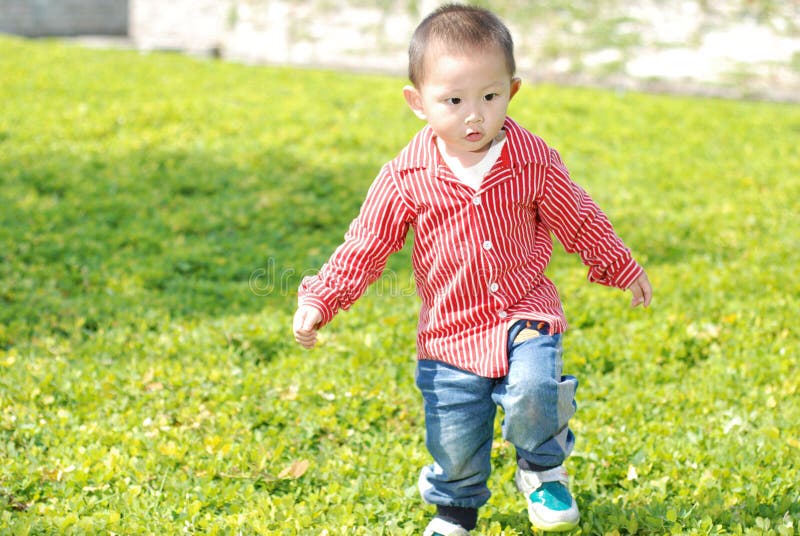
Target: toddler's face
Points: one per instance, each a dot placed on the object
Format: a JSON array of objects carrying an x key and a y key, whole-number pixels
[{"x": 464, "y": 97}]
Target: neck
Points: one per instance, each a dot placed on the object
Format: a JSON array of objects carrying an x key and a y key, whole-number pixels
[{"x": 468, "y": 158}]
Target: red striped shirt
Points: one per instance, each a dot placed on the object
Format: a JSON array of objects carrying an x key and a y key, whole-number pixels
[{"x": 479, "y": 256}]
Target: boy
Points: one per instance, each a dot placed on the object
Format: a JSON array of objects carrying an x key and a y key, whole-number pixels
[{"x": 482, "y": 195}]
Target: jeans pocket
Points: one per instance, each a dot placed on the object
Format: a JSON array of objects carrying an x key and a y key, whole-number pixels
[
  {"x": 566, "y": 405},
  {"x": 525, "y": 330}
]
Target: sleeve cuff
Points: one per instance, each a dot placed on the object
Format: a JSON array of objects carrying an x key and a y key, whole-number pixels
[
  {"x": 627, "y": 274},
  {"x": 620, "y": 276},
  {"x": 306, "y": 295}
]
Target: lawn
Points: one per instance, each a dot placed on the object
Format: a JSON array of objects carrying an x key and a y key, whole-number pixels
[{"x": 158, "y": 211}]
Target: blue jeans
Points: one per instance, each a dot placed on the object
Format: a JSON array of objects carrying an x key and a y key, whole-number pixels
[{"x": 460, "y": 409}]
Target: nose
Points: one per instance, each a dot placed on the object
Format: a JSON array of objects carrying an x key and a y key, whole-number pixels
[{"x": 473, "y": 117}]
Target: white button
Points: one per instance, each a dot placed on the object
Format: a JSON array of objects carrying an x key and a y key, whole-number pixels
[
  {"x": 502, "y": 314},
  {"x": 476, "y": 201},
  {"x": 493, "y": 287},
  {"x": 487, "y": 245}
]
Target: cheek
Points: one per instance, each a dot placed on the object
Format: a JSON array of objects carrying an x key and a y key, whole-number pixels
[
  {"x": 443, "y": 118},
  {"x": 499, "y": 113}
]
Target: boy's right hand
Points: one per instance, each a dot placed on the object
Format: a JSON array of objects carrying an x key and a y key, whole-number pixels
[{"x": 306, "y": 320}]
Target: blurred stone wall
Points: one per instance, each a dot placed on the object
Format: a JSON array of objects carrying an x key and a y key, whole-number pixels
[
  {"x": 41, "y": 18},
  {"x": 353, "y": 34},
  {"x": 193, "y": 26},
  {"x": 733, "y": 48}
]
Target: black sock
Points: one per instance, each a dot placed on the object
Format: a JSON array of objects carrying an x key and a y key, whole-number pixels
[
  {"x": 525, "y": 465},
  {"x": 465, "y": 517}
]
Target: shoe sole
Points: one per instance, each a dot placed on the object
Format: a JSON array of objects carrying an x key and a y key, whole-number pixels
[{"x": 561, "y": 526}]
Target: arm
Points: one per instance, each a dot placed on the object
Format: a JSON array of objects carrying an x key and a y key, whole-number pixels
[
  {"x": 583, "y": 228},
  {"x": 378, "y": 231}
]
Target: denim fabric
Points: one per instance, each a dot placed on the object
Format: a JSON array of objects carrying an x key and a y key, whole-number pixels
[{"x": 460, "y": 409}]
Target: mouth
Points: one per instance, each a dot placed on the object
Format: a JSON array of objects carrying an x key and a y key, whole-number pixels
[{"x": 474, "y": 136}]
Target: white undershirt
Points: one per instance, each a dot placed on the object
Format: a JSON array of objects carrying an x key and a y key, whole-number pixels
[{"x": 473, "y": 176}]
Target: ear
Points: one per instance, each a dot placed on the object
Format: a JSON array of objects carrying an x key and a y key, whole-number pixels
[
  {"x": 414, "y": 100},
  {"x": 515, "y": 85}
]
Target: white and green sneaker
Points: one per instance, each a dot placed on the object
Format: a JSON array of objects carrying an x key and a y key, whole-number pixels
[
  {"x": 550, "y": 505},
  {"x": 440, "y": 527}
]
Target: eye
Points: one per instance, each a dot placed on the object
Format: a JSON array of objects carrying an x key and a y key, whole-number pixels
[
  {"x": 490, "y": 96},
  {"x": 453, "y": 100}
]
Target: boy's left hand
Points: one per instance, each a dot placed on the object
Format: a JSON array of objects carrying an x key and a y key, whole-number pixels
[
  {"x": 642, "y": 291},
  {"x": 305, "y": 323}
]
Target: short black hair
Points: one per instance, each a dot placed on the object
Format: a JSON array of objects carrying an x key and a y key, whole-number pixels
[{"x": 461, "y": 27}]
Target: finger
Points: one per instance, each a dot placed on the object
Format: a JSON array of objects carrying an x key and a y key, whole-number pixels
[
  {"x": 638, "y": 296},
  {"x": 307, "y": 341},
  {"x": 299, "y": 319},
  {"x": 310, "y": 322},
  {"x": 303, "y": 337},
  {"x": 645, "y": 290},
  {"x": 648, "y": 296}
]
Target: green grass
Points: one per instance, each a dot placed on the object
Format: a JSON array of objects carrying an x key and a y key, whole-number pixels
[{"x": 158, "y": 212}]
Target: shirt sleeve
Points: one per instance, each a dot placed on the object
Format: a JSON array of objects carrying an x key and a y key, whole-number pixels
[
  {"x": 583, "y": 228},
  {"x": 379, "y": 230}
]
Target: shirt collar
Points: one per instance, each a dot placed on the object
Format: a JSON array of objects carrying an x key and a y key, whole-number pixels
[{"x": 521, "y": 148}]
